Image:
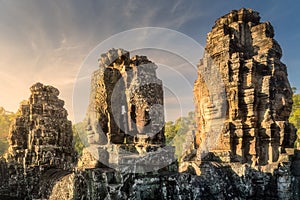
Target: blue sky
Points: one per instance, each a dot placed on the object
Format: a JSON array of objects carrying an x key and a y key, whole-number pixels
[{"x": 48, "y": 40}]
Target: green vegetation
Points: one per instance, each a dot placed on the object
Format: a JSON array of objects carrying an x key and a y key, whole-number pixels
[
  {"x": 295, "y": 116},
  {"x": 5, "y": 120},
  {"x": 3, "y": 146},
  {"x": 176, "y": 132},
  {"x": 79, "y": 137}
]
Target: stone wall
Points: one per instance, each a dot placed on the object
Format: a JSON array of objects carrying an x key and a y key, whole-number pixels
[{"x": 217, "y": 181}]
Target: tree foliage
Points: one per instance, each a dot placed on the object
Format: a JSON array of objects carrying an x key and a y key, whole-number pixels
[
  {"x": 79, "y": 137},
  {"x": 3, "y": 146},
  {"x": 295, "y": 116},
  {"x": 176, "y": 132},
  {"x": 5, "y": 121}
]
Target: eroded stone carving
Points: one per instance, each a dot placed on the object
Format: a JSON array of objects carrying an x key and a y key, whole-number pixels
[
  {"x": 40, "y": 144},
  {"x": 41, "y": 134},
  {"x": 126, "y": 101},
  {"x": 258, "y": 96},
  {"x": 125, "y": 119}
]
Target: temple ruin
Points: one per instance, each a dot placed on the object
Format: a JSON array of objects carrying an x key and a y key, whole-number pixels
[
  {"x": 244, "y": 141},
  {"x": 40, "y": 145},
  {"x": 125, "y": 118},
  {"x": 42, "y": 134},
  {"x": 126, "y": 101},
  {"x": 257, "y": 98}
]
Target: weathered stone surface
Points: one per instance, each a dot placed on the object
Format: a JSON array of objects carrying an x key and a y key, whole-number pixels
[
  {"x": 257, "y": 100},
  {"x": 125, "y": 115},
  {"x": 42, "y": 134},
  {"x": 256, "y": 132},
  {"x": 40, "y": 144},
  {"x": 217, "y": 181},
  {"x": 63, "y": 189},
  {"x": 126, "y": 100}
]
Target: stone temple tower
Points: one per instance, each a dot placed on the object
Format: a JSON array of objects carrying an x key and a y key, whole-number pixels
[
  {"x": 256, "y": 100},
  {"x": 126, "y": 113},
  {"x": 40, "y": 145},
  {"x": 41, "y": 134},
  {"x": 126, "y": 101}
]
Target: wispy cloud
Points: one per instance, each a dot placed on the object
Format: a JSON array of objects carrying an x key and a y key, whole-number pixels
[{"x": 48, "y": 40}]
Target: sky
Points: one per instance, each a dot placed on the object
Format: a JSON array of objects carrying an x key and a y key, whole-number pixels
[{"x": 57, "y": 42}]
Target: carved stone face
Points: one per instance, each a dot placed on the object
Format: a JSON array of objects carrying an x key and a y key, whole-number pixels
[
  {"x": 142, "y": 119},
  {"x": 212, "y": 108},
  {"x": 283, "y": 98}
]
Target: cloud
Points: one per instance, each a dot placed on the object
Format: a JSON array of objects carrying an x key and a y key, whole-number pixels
[{"x": 48, "y": 40}]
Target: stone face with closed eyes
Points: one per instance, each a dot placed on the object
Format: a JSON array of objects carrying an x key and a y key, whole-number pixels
[{"x": 243, "y": 88}]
